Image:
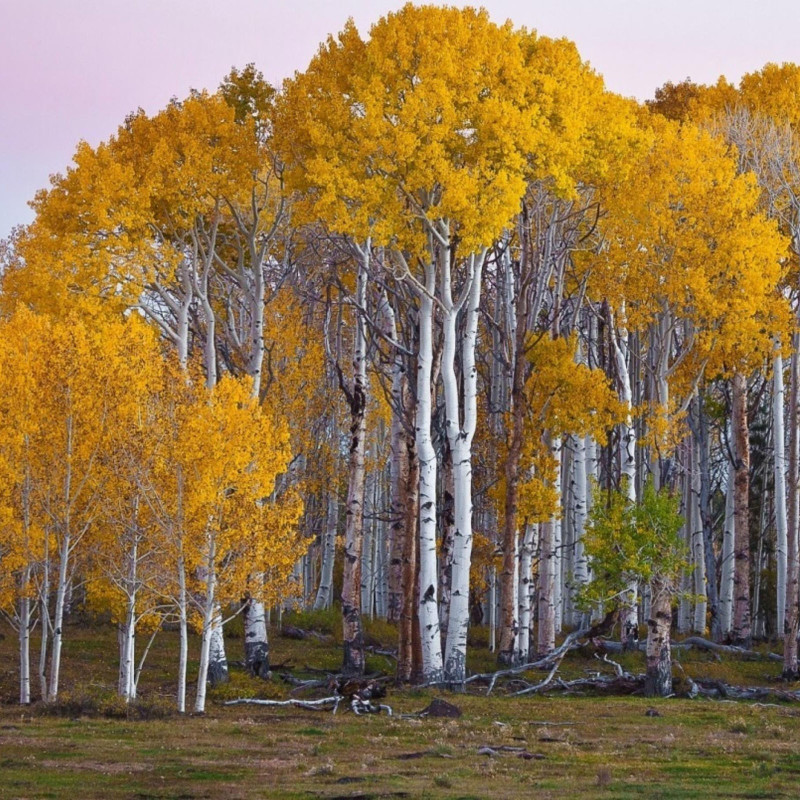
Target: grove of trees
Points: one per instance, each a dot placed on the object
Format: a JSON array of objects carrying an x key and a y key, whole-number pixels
[{"x": 443, "y": 331}]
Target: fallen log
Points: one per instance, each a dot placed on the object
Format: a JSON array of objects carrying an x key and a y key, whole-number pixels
[
  {"x": 698, "y": 642},
  {"x": 310, "y": 705},
  {"x": 292, "y": 632},
  {"x": 707, "y": 644}
]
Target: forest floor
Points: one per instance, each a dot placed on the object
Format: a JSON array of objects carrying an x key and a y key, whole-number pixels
[{"x": 551, "y": 746}]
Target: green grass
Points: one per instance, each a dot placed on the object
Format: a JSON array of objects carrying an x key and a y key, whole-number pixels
[{"x": 92, "y": 747}]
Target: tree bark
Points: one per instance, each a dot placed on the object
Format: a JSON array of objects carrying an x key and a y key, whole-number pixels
[
  {"x": 741, "y": 634},
  {"x": 658, "y": 675},
  {"x": 779, "y": 463},
  {"x": 790, "y": 669},
  {"x": 526, "y": 594},
  {"x": 256, "y": 642},
  {"x": 407, "y": 663},
  {"x": 430, "y": 638},
  {"x": 726, "y": 565},
  {"x": 546, "y": 631},
  {"x": 325, "y": 588},
  {"x": 352, "y": 634},
  {"x": 460, "y": 434}
]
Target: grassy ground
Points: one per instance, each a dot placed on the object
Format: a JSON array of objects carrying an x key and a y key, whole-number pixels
[{"x": 578, "y": 746}]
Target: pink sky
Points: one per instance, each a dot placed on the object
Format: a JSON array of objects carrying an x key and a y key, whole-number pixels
[{"x": 72, "y": 69}]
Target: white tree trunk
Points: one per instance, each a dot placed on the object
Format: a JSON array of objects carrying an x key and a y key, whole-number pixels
[
  {"x": 58, "y": 617},
  {"x": 256, "y": 642},
  {"x": 460, "y": 437},
  {"x": 726, "y": 567},
  {"x": 546, "y": 632},
  {"x": 558, "y": 551},
  {"x": 432, "y": 665},
  {"x": 183, "y": 625},
  {"x": 526, "y": 596},
  {"x": 629, "y": 619},
  {"x": 352, "y": 635},
  {"x": 209, "y": 614},
  {"x": 778, "y": 434},
  {"x": 580, "y": 509},
  {"x": 217, "y": 660},
  {"x": 44, "y": 617},
  {"x": 698, "y": 546},
  {"x": 24, "y": 614},
  {"x": 325, "y": 589}
]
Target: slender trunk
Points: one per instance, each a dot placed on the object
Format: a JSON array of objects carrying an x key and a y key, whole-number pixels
[
  {"x": 685, "y": 581},
  {"x": 58, "y": 618},
  {"x": 781, "y": 545},
  {"x": 325, "y": 588},
  {"x": 398, "y": 468},
  {"x": 509, "y": 623},
  {"x": 726, "y": 566},
  {"x": 44, "y": 616},
  {"x": 352, "y": 634},
  {"x": 367, "y": 545},
  {"x": 546, "y": 632},
  {"x": 407, "y": 534},
  {"x": 526, "y": 597},
  {"x": 398, "y": 530},
  {"x": 558, "y": 541},
  {"x": 209, "y": 617},
  {"x": 460, "y": 437},
  {"x": 127, "y": 641},
  {"x": 790, "y": 629},
  {"x": 430, "y": 639},
  {"x": 25, "y": 642},
  {"x": 448, "y": 541},
  {"x": 127, "y": 629},
  {"x": 741, "y": 633},
  {"x": 183, "y": 625},
  {"x": 209, "y": 344},
  {"x": 629, "y": 620},
  {"x": 256, "y": 300},
  {"x": 704, "y": 453},
  {"x": 698, "y": 550},
  {"x": 580, "y": 570}
]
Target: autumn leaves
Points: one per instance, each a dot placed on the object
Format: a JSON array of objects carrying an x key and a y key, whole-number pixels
[{"x": 457, "y": 209}]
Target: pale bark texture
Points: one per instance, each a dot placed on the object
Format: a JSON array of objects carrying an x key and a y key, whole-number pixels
[
  {"x": 460, "y": 433},
  {"x": 525, "y": 593},
  {"x": 779, "y": 457},
  {"x": 256, "y": 643},
  {"x": 790, "y": 668},
  {"x": 628, "y": 618},
  {"x": 546, "y": 631},
  {"x": 430, "y": 637},
  {"x": 325, "y": 588},
  {"x": 698, "y": 548},
  {"x": 726, "y": 562},
  {"x": 741, "y": 633},
  {"x": 352, "y": 634},
  {"x": 24, "y": 622},
  {"x": 217, "y": 660},
  {"x": 658, "y": 675}
]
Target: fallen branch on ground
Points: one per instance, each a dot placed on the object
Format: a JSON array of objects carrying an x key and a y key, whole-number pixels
[
  {"x": 310, "y": 705},
  {"x": 555, "y": 657}
]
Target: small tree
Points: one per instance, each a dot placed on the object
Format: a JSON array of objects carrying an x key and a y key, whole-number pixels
[{"x": 625, "y": 543}]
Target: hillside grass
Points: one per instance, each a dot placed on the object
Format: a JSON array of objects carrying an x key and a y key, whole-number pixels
[{"x": 91, "y": 745}]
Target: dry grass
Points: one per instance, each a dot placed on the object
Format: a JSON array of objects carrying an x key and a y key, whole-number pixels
[{"x": 576, "y": 747}]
